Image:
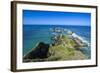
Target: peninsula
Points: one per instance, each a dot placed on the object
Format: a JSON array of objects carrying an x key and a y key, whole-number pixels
[{"x": 65, "y": 45}]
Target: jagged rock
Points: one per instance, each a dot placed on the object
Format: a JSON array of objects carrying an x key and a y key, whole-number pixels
[{"x": 41, "y": 51}]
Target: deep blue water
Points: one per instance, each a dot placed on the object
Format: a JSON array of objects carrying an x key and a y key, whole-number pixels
[{"x": 32, "y": 34}]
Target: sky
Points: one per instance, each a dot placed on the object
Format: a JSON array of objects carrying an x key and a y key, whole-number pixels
[{"x": 33, "y": 17}]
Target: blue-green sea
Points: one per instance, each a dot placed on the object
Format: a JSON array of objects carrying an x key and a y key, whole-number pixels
[{"x": 33, "y": 34}]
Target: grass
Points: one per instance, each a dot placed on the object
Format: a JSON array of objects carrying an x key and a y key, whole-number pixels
[{"x": 65, "y": 51}]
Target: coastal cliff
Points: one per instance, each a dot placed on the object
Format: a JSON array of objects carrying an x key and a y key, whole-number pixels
[{"x": 63, "y": 48}]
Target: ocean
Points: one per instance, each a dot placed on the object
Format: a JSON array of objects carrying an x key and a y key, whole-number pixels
[{"x": 33, "y": 34}]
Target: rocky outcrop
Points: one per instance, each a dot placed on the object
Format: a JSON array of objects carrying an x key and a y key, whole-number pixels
[
  {"x": 40, "y": 52},
  {"x": 46, "y": 52}
]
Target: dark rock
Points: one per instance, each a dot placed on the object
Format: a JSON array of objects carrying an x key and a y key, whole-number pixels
[{"x": 40, "y": 52}]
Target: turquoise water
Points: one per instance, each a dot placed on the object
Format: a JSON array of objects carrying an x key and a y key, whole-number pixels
[{"x": 33, "y": 34}]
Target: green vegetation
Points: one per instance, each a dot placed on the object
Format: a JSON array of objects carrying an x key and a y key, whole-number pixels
[{"x": 65, "y": 51}]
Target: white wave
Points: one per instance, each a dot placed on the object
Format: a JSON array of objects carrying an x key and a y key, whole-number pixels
[{"x": 80, "y": 38}]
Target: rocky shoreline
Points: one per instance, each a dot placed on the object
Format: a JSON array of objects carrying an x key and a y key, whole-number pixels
[{"x": 63, "y": 47}]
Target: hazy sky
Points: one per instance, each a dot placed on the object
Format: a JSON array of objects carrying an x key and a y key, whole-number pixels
[{"x": 32, "y": 17}]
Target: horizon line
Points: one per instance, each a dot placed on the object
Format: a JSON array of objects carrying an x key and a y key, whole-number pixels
[{"x": 58, "y": 24}]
